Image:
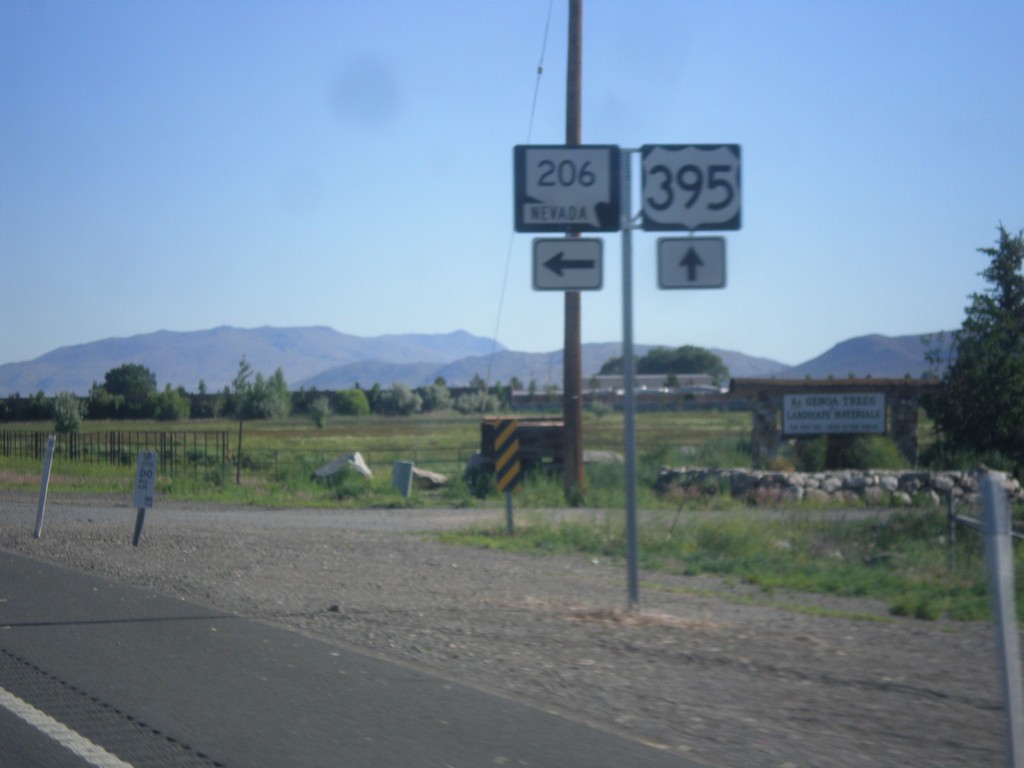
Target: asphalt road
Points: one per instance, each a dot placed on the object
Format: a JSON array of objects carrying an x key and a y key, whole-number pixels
[{"x": 152, "y": 681}]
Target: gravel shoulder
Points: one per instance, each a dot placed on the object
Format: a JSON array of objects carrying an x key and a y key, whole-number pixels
[{"x": 717, "y": 672}]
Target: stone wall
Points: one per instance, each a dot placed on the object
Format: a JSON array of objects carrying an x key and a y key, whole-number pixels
[{"x": 873, "y": 487}]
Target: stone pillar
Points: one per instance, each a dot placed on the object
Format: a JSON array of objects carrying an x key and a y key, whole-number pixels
[
  {"x": 764, "y": 440},
  {"x": 903, "y": 424}
]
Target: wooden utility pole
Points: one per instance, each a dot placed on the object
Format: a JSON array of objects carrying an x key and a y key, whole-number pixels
[{"x": 572, "y": 361}]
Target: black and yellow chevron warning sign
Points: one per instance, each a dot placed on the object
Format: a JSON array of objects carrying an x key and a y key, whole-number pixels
[{"x": 506, "y": 450}]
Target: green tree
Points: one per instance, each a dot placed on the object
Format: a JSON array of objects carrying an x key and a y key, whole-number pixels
[
  {"x": 136, "y": 384},
  {"x": 980, "y": 406},
  {"x": 436, "y": 397},
  {"x": 400, "y": 400},
  {"x": 476, "y": 401},
  {"x": 102, "y": 404},
  {"x": 68, "y": 412},
  {"x": 319, "y": 410},
  {"x": 171, "y": 404},
  {"x": 351, "y": 402},
  {"x": 256, "y": 398},
  {"x": 683, "y": 360},
  {"x": 612, "y": 365},
  {"x": 503, "y": 393},
  {"x": 373, "y": 396},
  {"x": 40, "y": 408},
  {"x": 206, "y": 405},
  {"x": 280, "y": 402},
  {"x": 266, "y": 398},
  {"x": 241, "y": 405}
]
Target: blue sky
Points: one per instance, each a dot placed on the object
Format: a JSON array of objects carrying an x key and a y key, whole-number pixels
[{"x": 189, "y": 164}]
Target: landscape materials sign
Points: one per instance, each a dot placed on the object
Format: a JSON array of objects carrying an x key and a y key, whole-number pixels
[{"x": 834, "y": 414}]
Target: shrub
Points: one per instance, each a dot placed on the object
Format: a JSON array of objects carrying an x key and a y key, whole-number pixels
[
  {"x": 319, "y": 410},
  {"x": 480, "y": 480},
  {"x": 436, "y": 397},
  {"x": 351, "y": 402},
  {"x": 68, "y": 412},
  {"x": 103, "y": 405},
  {"x": 347, "y": 483},
  {"x": 477, "y": 402},
  {"x": 940, "y": 456},
  {"x": 872, "y": 452},
  {"x": 171, "y": 405},
  {"x": 40, "y": 408},
  {"x": 810, "y": 454},
  {"x": 400, "y": 400}
]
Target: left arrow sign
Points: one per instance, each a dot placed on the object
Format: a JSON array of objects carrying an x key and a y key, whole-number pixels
[
  {"x": 558, "y": 263},
  {"x": 567, "y": 264}
]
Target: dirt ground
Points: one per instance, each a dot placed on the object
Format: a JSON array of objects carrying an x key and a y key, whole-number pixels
[{"x": 718, "y": 672}]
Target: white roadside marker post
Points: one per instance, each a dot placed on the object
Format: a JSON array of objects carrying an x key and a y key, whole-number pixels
[
  {"x": 145, "y": 483},
  {"x": 41, "y": 510}
]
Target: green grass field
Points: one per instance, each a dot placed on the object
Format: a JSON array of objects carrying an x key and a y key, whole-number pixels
[
  {"x": 280, "y": 456},
  {"x": 902, "y": 558}
]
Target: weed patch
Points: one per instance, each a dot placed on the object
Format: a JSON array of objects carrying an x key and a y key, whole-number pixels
[{"x": 902, "y": 560}]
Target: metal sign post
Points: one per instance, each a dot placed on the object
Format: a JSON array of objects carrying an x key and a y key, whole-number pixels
[
  {"x": 999, "y": 556},
  {"x": 629, "y": 402}
]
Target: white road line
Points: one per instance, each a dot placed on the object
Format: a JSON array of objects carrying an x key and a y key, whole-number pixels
[{"x": 92, "y": 753}]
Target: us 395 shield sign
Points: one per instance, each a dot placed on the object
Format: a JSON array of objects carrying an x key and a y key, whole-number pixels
[{"x": 690, "y": 186}]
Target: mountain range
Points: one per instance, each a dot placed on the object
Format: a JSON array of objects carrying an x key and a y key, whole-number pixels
[{"x": 323, "y": 358}]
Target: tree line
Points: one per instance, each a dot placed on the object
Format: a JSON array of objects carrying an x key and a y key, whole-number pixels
[{"x": 130, "y": 391}]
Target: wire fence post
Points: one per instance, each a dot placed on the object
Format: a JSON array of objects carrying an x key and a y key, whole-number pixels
[{"x": 951, "y": 524}]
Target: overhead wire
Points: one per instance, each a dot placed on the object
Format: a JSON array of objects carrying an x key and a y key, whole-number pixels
[{"x": 512, "y": 233}]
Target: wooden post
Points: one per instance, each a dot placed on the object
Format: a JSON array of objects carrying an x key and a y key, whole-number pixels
[{"x": 572, "y": 363}]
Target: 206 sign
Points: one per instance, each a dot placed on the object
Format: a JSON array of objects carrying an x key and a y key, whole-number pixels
[
  {"x": 690, "y": 186},
  {"x": 562, "y": 188}
]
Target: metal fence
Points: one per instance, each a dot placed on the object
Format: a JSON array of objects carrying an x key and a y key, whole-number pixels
[
  {"x": 200, "y": 453},
  {"x": 204, "y": 453},
  {"x": 178, "y": 451}
]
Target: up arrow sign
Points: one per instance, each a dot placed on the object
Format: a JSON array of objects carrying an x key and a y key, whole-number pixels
[
  {"x": 691, "y": 262},
  {"x": 567, "y": 264}
]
